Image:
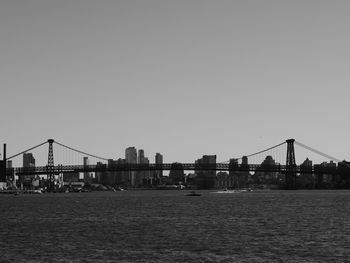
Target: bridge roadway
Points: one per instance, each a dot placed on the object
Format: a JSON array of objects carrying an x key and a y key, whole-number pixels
[{"x": 315, "y": 169}]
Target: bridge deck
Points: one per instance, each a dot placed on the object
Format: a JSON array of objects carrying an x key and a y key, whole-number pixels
[{"x": 317, "y": 169}]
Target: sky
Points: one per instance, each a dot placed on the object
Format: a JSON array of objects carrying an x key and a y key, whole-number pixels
[{"x": 183, "y": 78}]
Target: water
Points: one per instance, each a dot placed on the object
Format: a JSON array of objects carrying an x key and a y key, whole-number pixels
[{"x": 167, "y": 226}]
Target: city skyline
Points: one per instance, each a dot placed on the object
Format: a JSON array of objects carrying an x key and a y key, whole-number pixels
[
  {"x": 133, "y": 155},
  {"x": 182, "y": 78}
]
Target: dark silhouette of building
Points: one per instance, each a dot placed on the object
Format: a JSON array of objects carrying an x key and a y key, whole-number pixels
[
  {"x": 121, "y": 176},
  {"x": 87, "y": 177},
  {"x": 176, "y": 174},
  {"x": 158, "y": 174},
  {"x": 71, "y": 177},
  {"x": 224, "y": 180},
  {"x": 344, "y": 174},
  {"x": 28, "y": 165},
  {"x": 324, "y": 175},
  {"x": 205, "y": 169},
  {"x": 266, "y": 174},
  {"x": 101, "y": 174},
  {"x": 143, "y": 177},
  {"x": 306, "y": 178},
  {"x": 131, "y": 158},
  {"x": 28, "y": 160}
]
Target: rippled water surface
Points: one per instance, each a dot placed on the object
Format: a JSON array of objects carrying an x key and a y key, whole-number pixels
[{"x": 167, "y": 226}]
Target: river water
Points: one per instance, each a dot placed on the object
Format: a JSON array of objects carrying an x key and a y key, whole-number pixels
[{"x": 167, "y": 226}]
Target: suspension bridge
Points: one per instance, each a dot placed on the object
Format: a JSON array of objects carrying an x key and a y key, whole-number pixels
[{"x": 286, "y": 164}]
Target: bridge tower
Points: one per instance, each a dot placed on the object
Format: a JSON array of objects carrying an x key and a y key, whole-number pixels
[
  {"x": 290, "y": 165},
  {"x": 50, "y": 165}
]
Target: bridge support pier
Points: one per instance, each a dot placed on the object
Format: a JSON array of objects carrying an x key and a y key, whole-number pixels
[{"x": 50, "y": 166}]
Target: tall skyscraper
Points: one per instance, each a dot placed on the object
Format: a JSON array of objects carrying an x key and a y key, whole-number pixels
[
  {"x": 159, "y": 160},
  {"x": 158, "y": 174},
  {"x": 206, "y": 174},
  {"x": 122, "y": 176},
  {"x": 176, "y": 173},
  {"x": 28, "y": 164},
  {"x": 101, "y": 175},
  {"x": 307, "y": 178},
  {"x": 131, "y": 158},
  {"x": 28, "y": 160},
  {"x": 141, "y": 156},
  {"x": 143, "y": 175},
  {"x": 131, "y": 155}
]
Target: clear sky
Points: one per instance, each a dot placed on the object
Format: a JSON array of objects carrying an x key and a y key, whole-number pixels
[{"x": 183, "y": 78}]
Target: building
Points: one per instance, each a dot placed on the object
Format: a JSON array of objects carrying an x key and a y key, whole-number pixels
[
  {"x": 10, "y": 172},
  {"x": 131, "y": 155},
  {"x": 111, "y": 176},
  {"x": 71, "y": 177},
  {"x": 28, "y": 165},
  {"x": 266, "y": 174},
  {"x": 176, "y": 174},
  {"x": 86, "y": 174},
  {"x": 158, "y": 174},
  {"x": 28, "y": 160},
  {"x": 306, "y": 178},
  {"x": 122, "y": 177},
  {"x": 324, "y": 174},
  {"x": 344, "y": 174},
  {"x": 205, "y": 169},
  {"x": 234, "y": 176},
  {"x": 224, "y": 180},
  {"x": 101, "y": 173},
  {"x": 141, "y": 156},
  {"x": 146, "y": 174},
  {"x": 141, "y": 175},
  {"x": 131, "y": 158}
]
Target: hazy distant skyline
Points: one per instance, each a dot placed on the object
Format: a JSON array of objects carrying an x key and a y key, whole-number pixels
[{"x": 182, "y": 78}]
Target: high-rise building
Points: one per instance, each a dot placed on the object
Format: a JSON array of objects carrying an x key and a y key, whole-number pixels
[
  {"x": 142, "y": 176},
  {"x": 146, "y": 175},
  {"x": 245, "y": 166},
  {"x": 158, "y": 174},
  {"x": 141, "y": 156},
  {"x": 176, "y": 174},
  {"x": 28, "y": 164},
  {"x": 266, "y": 174},
  {"x": 206, "y": 173},
  {"x": 306, "y": 179},
  {"x": 159, "y": 161},
  {"x": 131, "y": 158},
  {"x": 101, "y": 174},
  {"x": 122, "y": 176},
  {"x": 111, "y": 176},
  {"x": 28, "y": 160},
  {"x": 131, "y": 155}
]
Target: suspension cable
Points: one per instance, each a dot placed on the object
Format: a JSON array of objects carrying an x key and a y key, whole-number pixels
[
  {"x": 91, "y": 155},
  {"x": 317, "y": 151},
  {"x": 250, "y": 155},
  {"x": 26, "y": 151}
]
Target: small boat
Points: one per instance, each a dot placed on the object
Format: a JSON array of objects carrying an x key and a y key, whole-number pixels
[{"x": 193, "y": 193}]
